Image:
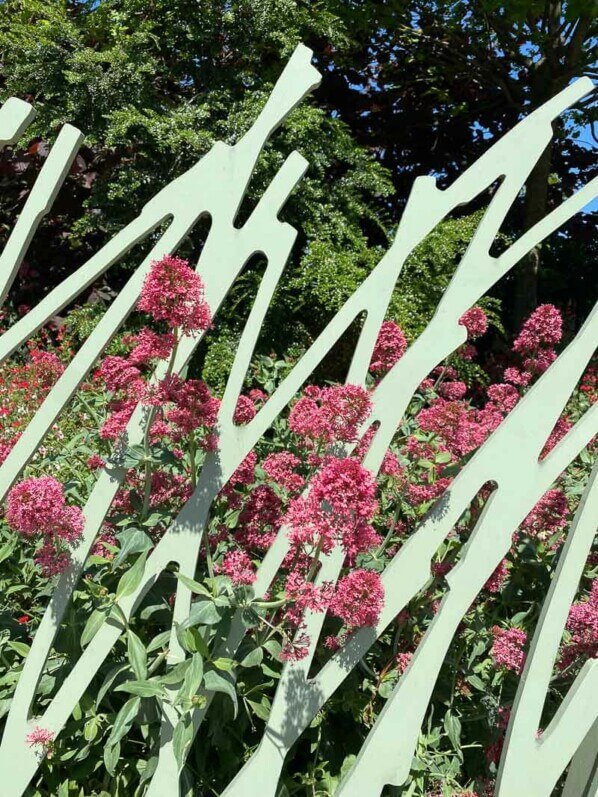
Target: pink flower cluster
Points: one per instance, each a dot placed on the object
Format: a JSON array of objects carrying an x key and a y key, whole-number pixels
[
  {"x": 462, "y": 428},
  {"x": 282, "y": 469},
  {"x": 535, "y": 345},
  {"x": 23, "y": 386},
  {"x": 549, "y": 515},
  {"x": 36, "y": 507},
  {"x": 582, "y": 626},
  {"x": 40, "y": 737},
  {"x": 331, "y": 414},
  {"x": 188, "y": 406},
  {"x": 150, "y": 346},
  {"x": 338, "y": 509},
  {"x": 507, "y": 649},
  {"x": 475, "y": 322},
  {"x": 390, "y": 347},
  {"x": 259, "y": 519},
  {"x": 497, "y": 579},
  {"x": 358, "y": 599},
  {"x": 174, "y": 293},
  {"x": 238, "y": 567}
]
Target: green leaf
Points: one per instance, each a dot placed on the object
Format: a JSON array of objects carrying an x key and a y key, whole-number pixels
[
  {"x": 192, "y": 680},
  {"x": 260, "y": 710},
  {"x": 111, "y": 676},
  {"x": 63, "y": 789},
  {"x": 443, "y": 457},
  {"x": 223, "y": 664},
  {"x": 142, "y": 688},
  {"x": 476, "y": 682},
  {"x": 111, "y": 756},
  {"x": 131, "y": 541},
  {"x": 203, "y": 613},
  {"x": 253, "y": 658},
  {"x": 182, "y": 738},
  {"x": 273, "y": 647},
  {"x": 452, "y": 726},
  {"x": 137, "y": 655},
  {"x": 250, "y": 618},
  {"x": 160, "y": 641},
  {"x": 132, "y": 578},
  {"x": 477, "y": 651},
  {"x": 91, "y": 728},
  {"x": 214, "y": 682},
  {"x": 154, "y": 519},
  {"x": 116, "y": 613},
  {"x": 20, "y": 647},
  {"x": 133, "y": 456},
  {"x": 270, "y": 672},
  {"x": 199, "y": 643},
  {"x": 124, "y": 720},
  {"x": 7, "y": 549},
  {"x": 176, "y": 674},
  {"x": 232, "y": 520},
  {"x": 194, "y": 586},
  {"x": 387, "y": 686},
  {"x": 149, "y": 769}
]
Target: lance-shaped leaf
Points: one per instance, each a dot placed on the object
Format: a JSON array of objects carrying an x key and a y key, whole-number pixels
[{"x": 123, "y": 721}]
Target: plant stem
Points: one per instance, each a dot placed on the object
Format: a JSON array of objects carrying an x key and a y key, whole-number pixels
[
  {"x": 314, "y": 564},
  {"x": 209, "y": 556},
  {"x": 147, "y": 487},
  {"x": 385, "y": 542}
]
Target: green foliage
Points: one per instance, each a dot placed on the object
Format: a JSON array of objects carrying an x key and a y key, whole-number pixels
[
  {"x": 111, "y": 741},
  {"x": 428, "y": 271},
  {"x": 152, "y": 88}
]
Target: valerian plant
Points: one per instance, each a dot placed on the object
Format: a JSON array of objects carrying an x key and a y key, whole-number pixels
[{"x": 112, "y": 739}]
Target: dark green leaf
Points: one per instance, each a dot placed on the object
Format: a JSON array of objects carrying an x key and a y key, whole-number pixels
[
  {"x": 182, "y": 738},
  {"x": 111, "y": 756},
  {"x": 142, "y": 688},
  {"x": 253, "y": 658},
  {"x": 132, "y": 578},
  {"x": 194, "y": 586},
  {"x": 137, "y": 655},
  {"x": 192, "y": 680},
  {"x": 124, "y": 720},
  {"x": 215, "y": 682}
]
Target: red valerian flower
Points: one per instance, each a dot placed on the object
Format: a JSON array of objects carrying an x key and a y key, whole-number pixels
[
  {"x": 280, "y": 467},
  {"x": 238, "y": 567},
  {"x": 244, "y": 411},
  {"x": 339, "y": 507},
  {"x": 548, "y": 516},
  {"x": 582, "y": 625},
  {"x": 358, "y": 599},
  {"x": 330, "y": 414},
  {"x": 173, "y": 292},
  {"x": 498, "y": 578},
  {"x": 475, "y": 322},
  {"x": 390, "y": 347},
  {"x": 544, "y": 327},
  {"x": 507, "y": 650},
  {"x": 37, "y": 506},
  {"x": 40, "y": 737},
  {"x": 150, "y": 346}
]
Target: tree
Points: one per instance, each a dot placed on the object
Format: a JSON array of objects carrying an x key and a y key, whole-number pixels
[
  {"x": 443, "y": 79},
  {"x": 409, "y": 87},
  {"x": 152, "y": 86}
]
